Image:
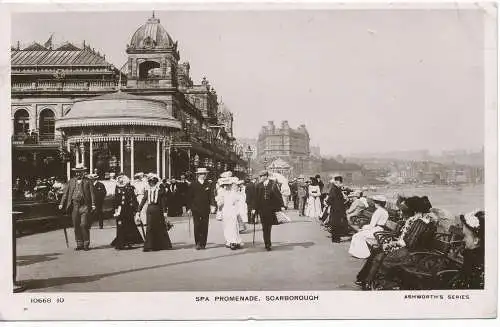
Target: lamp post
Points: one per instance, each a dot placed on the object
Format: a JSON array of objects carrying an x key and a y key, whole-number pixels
[{"x": 248, "y": 154}]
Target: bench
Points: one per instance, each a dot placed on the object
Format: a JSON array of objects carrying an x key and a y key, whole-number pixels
[{"x": 426, "y": 268}]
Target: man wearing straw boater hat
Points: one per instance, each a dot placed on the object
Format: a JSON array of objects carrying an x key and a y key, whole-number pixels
[
  {"x": 78, "y": 198},
  {"x": 267, "y": 202},
  {"x": 200, "y": 201}
]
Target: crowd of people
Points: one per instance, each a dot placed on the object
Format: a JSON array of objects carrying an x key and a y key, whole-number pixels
[
  {"x": 147, "y": 202},
  {"x": 41, "y": 189}
]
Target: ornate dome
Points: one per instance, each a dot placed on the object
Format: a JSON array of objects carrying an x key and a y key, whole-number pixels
[
  {"x": 151, "y": 35},
  {"x": 118, "y": 109}
]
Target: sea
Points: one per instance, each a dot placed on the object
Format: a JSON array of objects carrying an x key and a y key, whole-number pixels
[{"x": 455, "y": 199}]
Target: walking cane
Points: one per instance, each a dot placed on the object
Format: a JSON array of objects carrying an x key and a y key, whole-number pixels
[
  {"x": 61, "y": 216},
  {"x": 254, "y": 223},
  {"x": 143, "y": 232},
  {"x": 66, "y": 236}
]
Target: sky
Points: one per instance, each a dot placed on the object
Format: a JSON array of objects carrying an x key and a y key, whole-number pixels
[{"x": 360, "y": 80}]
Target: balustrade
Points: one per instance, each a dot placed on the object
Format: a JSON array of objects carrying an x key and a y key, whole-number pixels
[{"x": 69, "y": 85}]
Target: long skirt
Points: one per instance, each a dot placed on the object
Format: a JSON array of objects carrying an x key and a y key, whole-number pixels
[
  {"x": 156, "y": 232},
  {"x": 231, "y": 228},
  {"x": 127, "y": 233},
  {"x": 313, "y": 209},
  {"x": 359, "y": 246},
  {"x": 142, "y": 214}
]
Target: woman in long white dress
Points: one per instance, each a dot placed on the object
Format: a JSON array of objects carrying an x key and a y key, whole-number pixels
[
  {"x": 313, "y": 209},
  {"x": 359, "y": 246},
  {"x": 228, "y": 201}
]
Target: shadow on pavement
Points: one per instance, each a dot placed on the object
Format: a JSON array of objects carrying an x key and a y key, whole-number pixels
[
  {"x": 26, "y": 260},
  {"x": 32, "y": 284}
]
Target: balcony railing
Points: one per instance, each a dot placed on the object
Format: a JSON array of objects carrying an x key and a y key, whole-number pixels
[
  {"x": 36, "y": 139},
  {"x": 70, "y": 85}
]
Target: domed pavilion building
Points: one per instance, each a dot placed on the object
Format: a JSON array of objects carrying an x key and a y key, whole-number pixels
[{"x": 147, "y": 117}]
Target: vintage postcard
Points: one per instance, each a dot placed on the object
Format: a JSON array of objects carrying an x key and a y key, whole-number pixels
[{"x": 249, "y": 161}]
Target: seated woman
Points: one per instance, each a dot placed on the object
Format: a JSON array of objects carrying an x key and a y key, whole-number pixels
[
  {"x": 359, "y": 247},
  {"x": 415, "y": 235},
  {"x": 357, "y": 206},
  {"x": 471, "y": 275}
]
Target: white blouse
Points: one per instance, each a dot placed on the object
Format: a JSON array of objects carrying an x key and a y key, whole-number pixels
[{"x": 379, "y": 218}]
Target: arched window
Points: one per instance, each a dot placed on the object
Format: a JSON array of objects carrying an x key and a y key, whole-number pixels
[
  {"x": 21, "y": 122},
  {"x": 149, "y": 69},
  {"x": 47, "y": 123}
]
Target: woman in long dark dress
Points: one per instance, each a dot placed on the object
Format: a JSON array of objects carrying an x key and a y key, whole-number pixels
[
  {"x": 156, "y": 232},
  {"x": 125, "y": 205}
]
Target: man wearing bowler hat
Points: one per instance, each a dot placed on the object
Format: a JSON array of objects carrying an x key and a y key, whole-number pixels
[
  {"x": 268, "y": 201},
  {"x": 78, "y": 198},
  {"x": 100, "y": 195},
  {"x": 200, "y": 201}
]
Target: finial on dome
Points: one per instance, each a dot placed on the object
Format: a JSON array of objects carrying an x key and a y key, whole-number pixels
[{"x": 153, "y": 14}]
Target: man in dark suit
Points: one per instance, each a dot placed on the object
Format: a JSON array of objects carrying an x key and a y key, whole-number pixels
[
  {"x": 250, "y": 188},
  {"x": 78, "y": 197},
  {"x": 100, "y": 194},
  {"x": 267, "y": 202},
  {"x": 200, "y": 201},
  {"x": 338, "y": 216},
  {"x": 182, "y": 189}
]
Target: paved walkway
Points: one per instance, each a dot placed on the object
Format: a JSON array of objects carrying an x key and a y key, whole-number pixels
[{"x": 303, "y": 258}]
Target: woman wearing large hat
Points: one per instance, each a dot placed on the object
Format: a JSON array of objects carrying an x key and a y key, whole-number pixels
[
  {"x": 359, "y": 246},
  {"x": 471, "y": 276},
  {"x": 228, "y": 200},
  {"x": 125, "y": 205},
  {"x": 156, "y": 232}
]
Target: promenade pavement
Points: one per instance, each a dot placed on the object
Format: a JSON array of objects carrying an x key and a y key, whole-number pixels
[{"x": 303, "y": 258}]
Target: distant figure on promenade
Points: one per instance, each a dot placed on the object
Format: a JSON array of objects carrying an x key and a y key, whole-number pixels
[
  {"x": 125, "y": 205},
  {"x": 250, "y": 195},
  {"x": 156, "y": 232},
  {"x": 301, "y": 195},
  {"x": 200, "y": 200},
  {"x": 182, "y": 189},
  {"x": 78, "y": 198},
  {"x": 174, "y": 200},
  {"x": 313, "y": 201},
  {"x": 99, "y": 194},
  {"x": 242, "y": 206},
  {"x": 268, "y": 201},
  {"x": 140, "y": 185},
  {"x": 336, "y": 201}
]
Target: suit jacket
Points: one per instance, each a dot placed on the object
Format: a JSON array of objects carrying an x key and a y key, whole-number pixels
[
  {"x": 200, "y": 197},
  {"x": 99, "y": 193},
  {"x": 88, "y": 193},
  {"x": 337, "y": 204},
  {"x": 250, "y": 192},
  {"x": 267, "y": 208}
]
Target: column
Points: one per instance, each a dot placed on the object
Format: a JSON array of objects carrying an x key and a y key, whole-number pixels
[
  {"x": 169, "y": 163},
  {"x": 121, "y": 153},
  {"x": 132, "y": 158},
  {"x": 91, "y": 155},
  {"x": 68, "y": 164},
  {"x": 158, "y": 157},
  {"x": 77, "y": 151},
  {"x": 163, "y": 160},
  {"x": 82, "y": 154}
]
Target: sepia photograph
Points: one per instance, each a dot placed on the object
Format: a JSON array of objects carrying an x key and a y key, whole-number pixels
[{"x": 227, "y": 157}]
